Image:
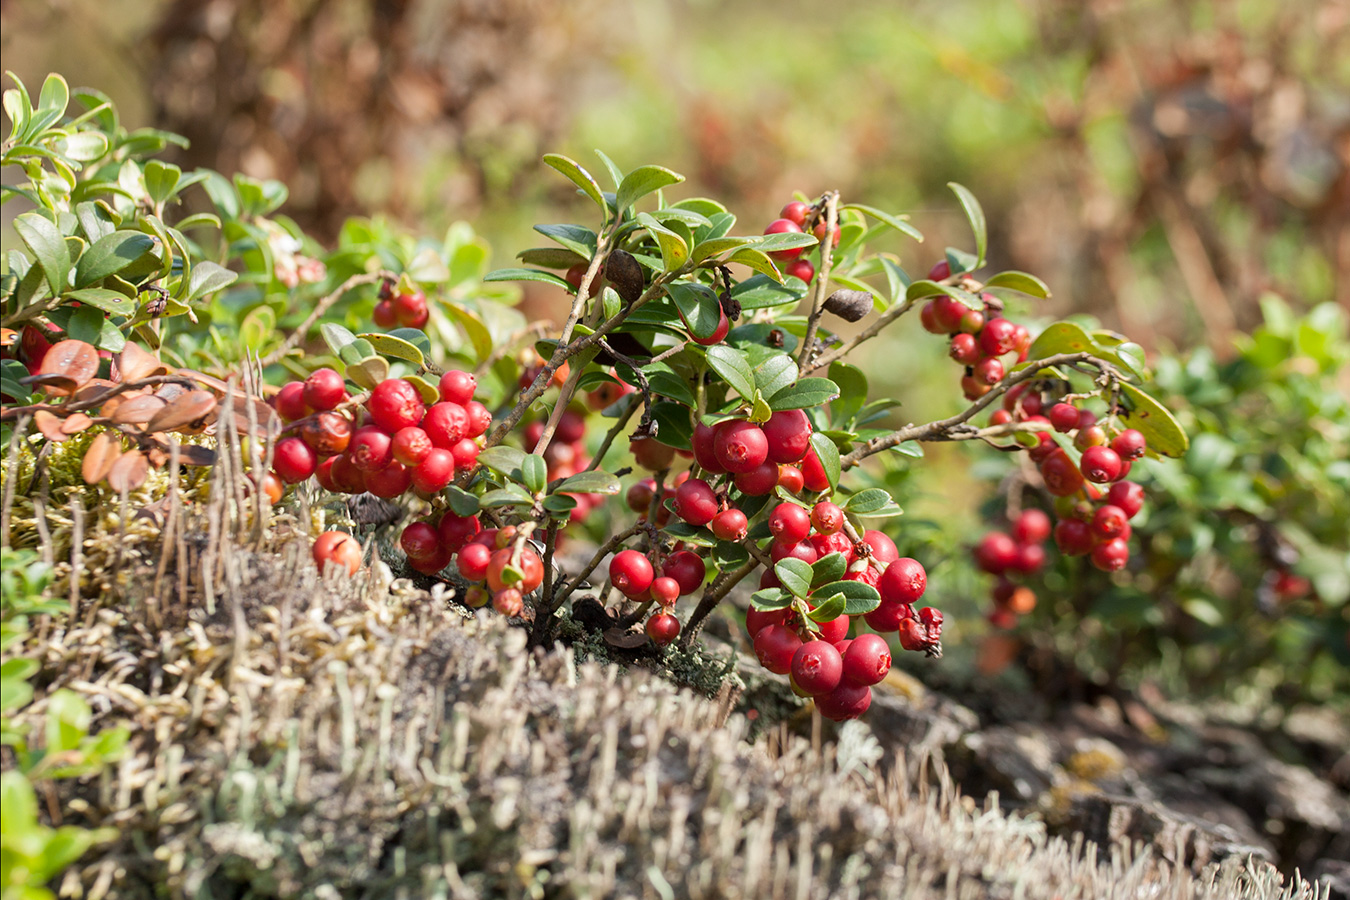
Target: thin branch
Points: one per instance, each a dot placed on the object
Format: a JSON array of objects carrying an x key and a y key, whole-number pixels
[
  {"x": 543, "y": 617},
  {"x": 610, "y": 546},
  {"x": 613, "y": 432},
  {"x": 944, "y": 429},
  {"x": 822, "y": 281},
  {"x": 320, "y": 308},
  {"x": 871, "y": 331}
]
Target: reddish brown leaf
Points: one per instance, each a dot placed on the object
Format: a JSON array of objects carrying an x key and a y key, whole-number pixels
[
  {"x": 135, "y": 363},
  {"x": 625, "y": 640},
  {"x": 93, "y": 389},
  {"x": 75, "y": 360},
  {"x": 49, "y": 425},
  {"x": 196, "y": 455},
  {"x": 190, "y": 408},
  {"x": 170, "y": 392},
  {"x": 75, "y": 423},
  {"x": 105, "y": 450},
  {"x": 129, "y": 472},
  {"x": 57, "y": 385},
  {"x": 137, "y": 410}
]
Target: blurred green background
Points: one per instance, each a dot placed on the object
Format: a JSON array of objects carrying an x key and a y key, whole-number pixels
[{"x": 1166, "y": 166}]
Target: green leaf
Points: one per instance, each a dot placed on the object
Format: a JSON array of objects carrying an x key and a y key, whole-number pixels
[
  {"x": 336, "y": 336},
  {"x": 258, "y": 327},
  {"x": 762, "y": 292},
  {"x": 868, "y": 501},
  {"x": 49, "y": 247},
  {"x": 479, "y": 335},
  {"x": 90, "y": 325},
  {"x": 698, "y": 306},
  {"x": 717, "y": 246},
  {"x": 852, "y": 385},
  {"x": 207, "y": 278},
  {"x": 428, "y": 267},
  {"x": 578, "y": 176},
  {"x": 828, "y": 568},
  {"x": 462, "y": 503},
  {"x": 575, "y": 238},
  {"x": 673, "y": 421},
  {"x": 1164, "y": 434},
  {"x": 690, "y": 534},
  {"x": 501, "y": 459},
  {"x": 760, "y": 411},
  {"x": 775, "y": 374},
  {"x": 68, "y": 719},
  {"x": 976, "y": 216},
  {"x": 559, "y": 505},
  {"x": 593, "y": 482},
  {"x": 805, "y": 394},
  {"x": 429, "y": 391},
  {"x": 527, "y": 275},
  {"x": 615, "y": 173},
  {"x": 551, "y": 257},
  {"x": 794, "y": 575},
  {"x": 734, "y": 369},
  {"x": 395, "y": 346},
  {"x": 368, "y": 371},
  {"x": 829, "y": 456},
  {"x": 925, "y": 288},
  {"x": 511, "y": 495},
  {"x": 859, "y": 598},
  {"x": 674, "y": 251},
  {"x": 757, "y": 260},
  {"x": 668, "y": 384},
  {"x": 111, "y": 254},
  {"x": 896, "y": 222},
  {"x": 767, "y": 600},
  {"x": 51, "y": 105},
  {"x": 784, "y": 240},
  {"x": 534, "y": 472},
  {"x": 161, "y": 179},
  {"x": 111, "y": 302},
  {"x": 641, "y": 182},
  {"x": 961, "y": 261},
  {"x": 1020, "y": 282},
  {"x": 829, "y": 609}
]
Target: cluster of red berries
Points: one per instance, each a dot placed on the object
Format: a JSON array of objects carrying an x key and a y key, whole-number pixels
[
  {"x": 979, "y": 338},
  {"x": 634, "y": 575},
  {"x": 406, "y": 309},
  {"x": 495, "y": 561},
  {"x": 792, "y": 219},
  {"x": 1005, "y": 554}
]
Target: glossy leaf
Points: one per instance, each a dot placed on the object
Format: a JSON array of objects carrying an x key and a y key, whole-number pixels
[
  {"x": 896, "y": 222},
  {"x": 829, "y": 456},
  {"x": 593, "y": 482},
  {"x": 462, "y": 503},
  {"x": 48, "y": 246},
  {"x": 111, "y": 254},
  {"x": 829, "y": 609},
  {"x": 207, "y": 278},
  {"x": 975, "y": 214},
  {"x": 674, "y": 251},
  {"x": 642, "y": 181},
  {"x": 807, "y": 393},
  {"x": 534, "y": 472},
  {"x": 578, "y": 176},
  {"x": 527, "y": 275},
  {"x": 859, "y": 598},
  {"x": 698, "y": 306},
  {"x": 110, "y": 302},
  {"x": 770, "y": 599},
  {"x": 775, "y": 374},
  {"x": 389, "y": 345},
  {"x": 794, "y": 575},
  {"x": 1020, "y": 282},
  {"x": 1164, "y": 434},
  {"x": 830, "y": 567},
  {"x": 731, "y": 365},
  {"x": 575, "y": 238}
]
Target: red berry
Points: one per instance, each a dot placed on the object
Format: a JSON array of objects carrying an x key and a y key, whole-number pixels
[
  {"x": 294, "y": 460},
  {"x": 827, "y": 518},
  {"x": 800, "y": 268},
  {"x": 1086, "y": 418},
  {"x": 817, "y": 667},
  {"x": 687, "y": 568},
  {"x": 995, "y": 553},
  {"x": 651, "y": 454},
  {"x": 883, "y": 548},
  {"x": 395, "y": 404},
  {"x": 1091, "y": 436},
  {"x": 964, "y": 349},
  {"x": 1062, "y": 477},
  {"x": 1109, "y": 522},
  {"x": 384, "y": 315},
  {"x": 1031, "y": 527},
  {"x": 928, "y": 319},
  {"x": 941, "y": 270},
  {"x": 825, "y": 544},
  {"x": 820, "y": 230},
  {"x": 290, "y": 402},
  {"x": 530, "y": 567},
  {"x": 718, "y": 334},
  {"x": 973, "y": 388},
  {"x": 781, "y": 226},
  {"x": 863, "y": 571},
  {"x": 904, "y": 581},
  {"x": 390, "y": 482},
  {"x": 790, "y": 479},
  {"x": 758, "y": 481},
  {"x": 665, "y": 590},
  {"x": 796, "y": 211},
  {"x": 411, "y": 309},
  {"x": 888, "y": 616},
  {"x": 997, "y": 337},
  {"x": 1073, "y": 537},
  {"x": 972, "y": 320},
  {"x": 324, "y": 389},
  {"x": 323, "y": 474},
  {"x": 740, "y": 446},
  {"x": 1029, "y": 558},
  {"x": 834, "y": 630},
  {"x": 803, "y": 551},
  {"x": 913, "y": 635},
  {"x": 989, "y": 371},
  {"x": 473, "y": 562},
  {"x": 410, "y": 445},
  {"x": 948, "y": 313},
  {"x": 456, "y": 532},
  {"x": 1112, "y": 555},
  {"x": 446, "y": 424},
  {"x": 775, "y": 646},
  {"x": 509, "y": 602},
  {"x": 639, "y": 496},
  {"x": 435, "y": 471},
  {"x": 756, "y": 620},
  {"x": 457, "y": 387},
  {"x": 1129, "y": 444},
  {"x": 465, "y": 454},
  {"x": 419, "y": 540},
  {"x": 571, "y": 428},
  {"x": 1000, "y": 417},
  {"x": 867, "y": 660},
  {"x": 663, "y": 628},
  {"x": 631, "y": 572},
  {"x": 695, "y": 502},
  {"x": 339, "y": 548},
  {"x": 1101, "y": 464},
  {"x": 788, "y": 433},
  {"x": 846, "y": 701},
  {"x": 789, "y": 523},
  {"x": 730, "y": 525},
  {"x": 1127, "y": 495},
  {"x": 347, "y": 477},
  {"x": 704, "y": 453},
  {"x": 327, "y": 433},
  {"x": 1064, "y": 417},
  {"x": 479, "y": 419},
  {"x": 813, "y": 472}
]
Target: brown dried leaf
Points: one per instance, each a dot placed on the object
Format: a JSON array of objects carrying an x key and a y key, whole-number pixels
[
  {"x": 267, "y": 418},
  {"x": 93, "y": 389},
  {"x": 75, "y": 360},
  {"x": 129, "y": 472},
  {"x": 57, "y": 385},
  {"x": 75, "y": 423},
  {"x": 170, "y": 392},
  {"x": 50, "y": 425},
  {"x": 209, "y": 381},
  {"x": 105, "y": 450},
  {"x": 137, "y": 410},
  {"x": 158, "y": 456},
  {"x": 196, "y": 455},
  {"x": 625, "y": 640},
  {"x": 135, "y": 363},
  {"x": 191, "y": 408}
]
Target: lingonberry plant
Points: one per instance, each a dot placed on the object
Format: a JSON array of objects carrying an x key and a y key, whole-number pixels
[{"x": 713, "y": 356}]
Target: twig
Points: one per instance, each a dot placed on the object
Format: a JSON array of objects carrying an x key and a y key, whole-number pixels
[
  {"x": 102, "y": 397},
  {"x": 871, "y": 331},
  {"x": 543, "y": 616},
  {"x": 611, "y": 435},
  {"x": 945, "y": 429},
  {"x": 11, "y": 483},
  {"x": 822, "y": 281},
  {"x": 610, "y": 546},
  {"x": 319, "y": 309}
]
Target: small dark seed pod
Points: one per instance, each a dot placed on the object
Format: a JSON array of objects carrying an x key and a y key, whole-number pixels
[
  {"x": 624, "y": 272},
  {"x": 849, "y": 305}
]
